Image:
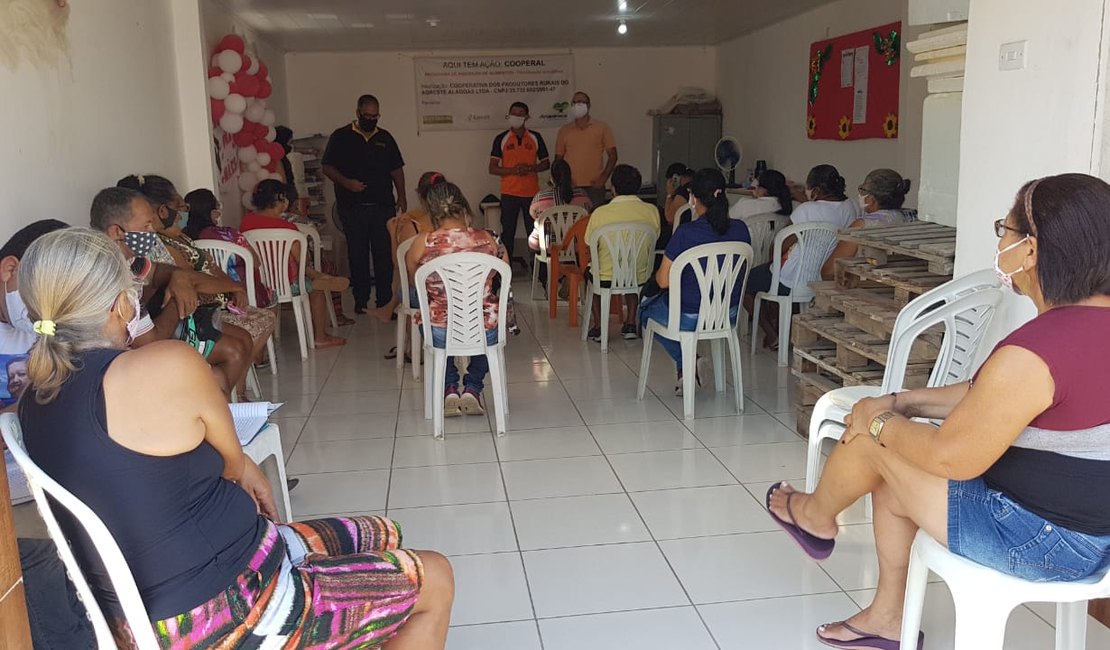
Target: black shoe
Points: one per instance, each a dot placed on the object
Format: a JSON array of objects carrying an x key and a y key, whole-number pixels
[
  {"x": 291, "y": 483},
  {"x": 360, "y": 310},
  {"x": 628, "y": 332},
  {"x": 594, "y": 334}
]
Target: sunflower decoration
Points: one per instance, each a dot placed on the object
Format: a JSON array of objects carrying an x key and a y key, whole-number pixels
[
  {"x": 811, "y": 126},
  {"x": 890, "y": 125},
  {"x": 816, "y": 69},
  {"x": 888, "y": 47},
  {"x": 845, "y": 128}
]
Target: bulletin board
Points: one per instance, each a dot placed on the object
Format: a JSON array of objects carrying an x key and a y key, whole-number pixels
[{"x": 853, "y": 85}]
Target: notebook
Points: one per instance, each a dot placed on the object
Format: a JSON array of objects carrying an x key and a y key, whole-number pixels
[{"x": 250, "y": 418}]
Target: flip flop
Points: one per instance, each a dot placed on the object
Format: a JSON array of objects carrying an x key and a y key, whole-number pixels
[
  {"x": 815, "y": 547},
  {"x": 865, "y": 641}
]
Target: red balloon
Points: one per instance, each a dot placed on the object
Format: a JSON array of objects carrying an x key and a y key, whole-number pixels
[
  {"x": 261, "y": 74},
  {"x": 242, "y": 138},
  {"x": 273, "y": 164},
  {"x": 248, "y": 128},
  {"x": 231, "y": 42},
  {"x": 218, "y": 109},
  {"x": 246, "y": 63},
  {"x": 215, "y": 71},
  {"x": 248, "y": 85},
  {"x": 264, "y": 90}
]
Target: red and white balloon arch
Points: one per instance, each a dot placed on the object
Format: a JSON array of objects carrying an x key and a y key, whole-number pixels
[{"x": 238, "y": 86}]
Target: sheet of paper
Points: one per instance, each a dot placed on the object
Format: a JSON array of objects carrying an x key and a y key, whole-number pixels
[
  {"x": 17, "y": 482},
  {"x": 859, "y": 108},
  {"x": 847, "y": 64},
  {"x": 250, "y": 417}
]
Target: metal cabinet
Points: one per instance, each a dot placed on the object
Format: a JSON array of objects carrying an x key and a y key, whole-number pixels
[{"x": 687, "y": 139}]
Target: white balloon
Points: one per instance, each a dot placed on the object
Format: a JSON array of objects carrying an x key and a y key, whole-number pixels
[
  {"x": 253, "y": 166},
  {"x": 247, "y": 201},
  {"x": 231, "y": 123},
  {"x": 247, "y": 154},
  {"x": 215, "y": 62},
  {"x": 263, "y": 158},
  {"x": 247, "y": 181},
  {"x": 256, "y": 110},
  {"x": 269, "y": 118},
  {"x": 229, "y": 61},
  {"x": 235, "y": 103},
  {"x": 271, "y": 134},
  {"x": 228, "y": 77},
  {"x": 253, "y": 68},
  {"x": 218, "y": 88}
]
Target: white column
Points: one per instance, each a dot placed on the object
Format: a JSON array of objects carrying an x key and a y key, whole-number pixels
[{"x": 191, "y": 66}]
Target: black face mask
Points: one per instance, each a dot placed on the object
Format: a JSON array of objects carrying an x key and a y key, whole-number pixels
[{"x": 367, "y": 125}]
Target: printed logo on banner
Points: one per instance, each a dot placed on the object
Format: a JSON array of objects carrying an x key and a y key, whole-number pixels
[{"x": 475, "y": 92}]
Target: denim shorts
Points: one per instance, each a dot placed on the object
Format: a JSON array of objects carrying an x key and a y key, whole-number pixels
[{"x": 989, "y": 528}]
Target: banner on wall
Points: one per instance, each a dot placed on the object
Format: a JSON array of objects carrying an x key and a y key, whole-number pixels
[
  {"x": 474, "y": 92},
  {"x": 853, "y": 85}
]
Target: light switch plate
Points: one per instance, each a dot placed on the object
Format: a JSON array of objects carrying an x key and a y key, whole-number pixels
[{"x": 1011, "y": 56}]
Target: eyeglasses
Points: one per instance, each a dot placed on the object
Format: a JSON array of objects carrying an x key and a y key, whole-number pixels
[{"x": 1000, "y": 229}]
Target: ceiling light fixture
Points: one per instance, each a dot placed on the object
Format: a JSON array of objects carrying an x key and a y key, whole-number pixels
[
  {"x": 433, "y": 22},
  {"x": 622, "y": 28},
  {"x": 362, "y": 25},
  {"x": 622, "y": 5}
]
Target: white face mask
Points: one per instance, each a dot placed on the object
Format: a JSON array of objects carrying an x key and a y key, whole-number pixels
[
  {"x": 580, "y": 109},
  {"x": 516, "y": 121},
  {"x": 133, "y": 323},
  {"x": 17, "y": 311},
  {"x": 863, "y": 202},
  {"x": 1007, "y": 279}
]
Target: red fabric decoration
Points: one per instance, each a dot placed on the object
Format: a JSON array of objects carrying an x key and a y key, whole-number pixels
[
  {"x": 831, "y": 105},
  {"x": 264, "y": 90},
  {"x": 231, "y": 42},
  {"x": 218, "y": 109}
]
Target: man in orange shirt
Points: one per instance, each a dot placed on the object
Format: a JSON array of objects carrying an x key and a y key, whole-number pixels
[
  {"x": 583, "y": 143},
  {"x": 518, "y": 155}
]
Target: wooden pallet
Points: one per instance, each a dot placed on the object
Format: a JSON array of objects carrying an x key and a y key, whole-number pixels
[
  {"x": 855, "y": 348},
  {"x": 908, "y": 277},
  {"x": 932, "y": 243}
]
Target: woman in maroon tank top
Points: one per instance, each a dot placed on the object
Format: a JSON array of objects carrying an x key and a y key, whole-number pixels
[{"x": 1006, "y": 480}]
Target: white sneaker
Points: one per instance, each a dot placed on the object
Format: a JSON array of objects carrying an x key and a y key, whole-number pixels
[
  {"x": 451, "y": 405},
  {"x": 471, "y": 404}
]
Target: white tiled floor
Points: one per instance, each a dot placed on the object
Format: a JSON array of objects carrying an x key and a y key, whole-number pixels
[{"x": 599, "y": 521}]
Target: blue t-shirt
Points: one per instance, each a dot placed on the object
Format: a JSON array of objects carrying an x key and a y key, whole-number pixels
[{"x": 696, "y": 233}]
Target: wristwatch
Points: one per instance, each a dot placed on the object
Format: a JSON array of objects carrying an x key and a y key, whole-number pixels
[{"x": 876, "y": 427}]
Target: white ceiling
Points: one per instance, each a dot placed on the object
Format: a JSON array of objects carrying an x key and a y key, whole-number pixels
[{"x": 330, "y": 25}]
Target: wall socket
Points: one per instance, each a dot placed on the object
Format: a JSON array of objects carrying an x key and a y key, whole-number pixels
[{"x": 1011, "y": 56}]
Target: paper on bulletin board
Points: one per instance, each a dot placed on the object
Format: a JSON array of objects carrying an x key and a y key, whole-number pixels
[
  {"x": 859, "y": 107},
  {"x": 847, "y": 66}
]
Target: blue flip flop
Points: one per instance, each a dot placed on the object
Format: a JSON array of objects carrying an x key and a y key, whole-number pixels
[
  {"x": 865, "y": 641},
  {"x": 815, "y": 547}
]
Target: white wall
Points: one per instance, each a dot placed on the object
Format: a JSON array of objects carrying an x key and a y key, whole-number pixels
[
  {"x": 110, "y": 111},
  {"x": 623, "y": 84},
  {"x": 761, "y": 78}
]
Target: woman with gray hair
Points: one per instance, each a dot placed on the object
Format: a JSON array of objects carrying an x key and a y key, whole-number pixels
[
  {"x": 144, "y": 437},
  {"x": 881, "y": 196}
]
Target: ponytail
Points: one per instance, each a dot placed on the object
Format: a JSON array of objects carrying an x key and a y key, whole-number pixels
[
  {"x": 563, "y": 190},
  {"x": 775, "y": 183},
  {"x": 70, "y": 281},
  {"x": 708, "y": 187}
]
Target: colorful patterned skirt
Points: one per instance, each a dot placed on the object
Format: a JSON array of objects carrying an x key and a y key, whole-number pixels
[{"x": 328, "y": 583}]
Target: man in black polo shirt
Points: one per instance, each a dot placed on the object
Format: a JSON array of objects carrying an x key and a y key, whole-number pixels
[{"x": 365, "y": 164}]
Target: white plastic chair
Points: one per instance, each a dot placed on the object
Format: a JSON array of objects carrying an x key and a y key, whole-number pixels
[
  {"x": 274, "y": 246},
  {"x": 984, "y": 599},
  {"x": 266, "y": 444},
  {"x": 406, "y": 315},
  {"x": 223, "y": 252},
  {"x": 815, "y": 242},
  {"x": 629, "y": 246},
  {"x": 464, "y": 277},
  {"x": 115, "y": 565},
  {"x": 763, "y": 228},
  {"x": 554, "y": 223},
  {"x": 966, "y": 306},
  {"x": 317, "y": 244},
  {"x": 718, "y": 268},
  {"x": 678, "y": 216}
]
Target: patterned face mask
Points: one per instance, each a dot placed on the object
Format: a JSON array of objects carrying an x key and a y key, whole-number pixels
[{"x": 141, "y": 242}]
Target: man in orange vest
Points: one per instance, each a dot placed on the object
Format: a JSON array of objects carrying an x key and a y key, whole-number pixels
[{"x": 518, "y": 155}]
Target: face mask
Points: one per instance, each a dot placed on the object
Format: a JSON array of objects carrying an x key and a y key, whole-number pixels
[
  {"x": 216, "y": 216},
  {"x": 863, "y": 202},
  {"x": 580, "y": 109},
  {"x": 141, "y": 242},
  {"x": 133, "y": 323},
  {"x": 367, "y": 125},
  {"x": 182, "y": 219},
  {"x": 17, "y": 311},
  {"x": 516, "y": 121},
  {"x": 1007, "y": 279}
]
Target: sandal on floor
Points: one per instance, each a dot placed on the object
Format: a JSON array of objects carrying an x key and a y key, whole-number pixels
[
  {"x": 815, "y": 547},
  {"x": 392, "y": 354},
  {"x": 865, "y": 641}
]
